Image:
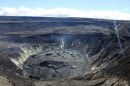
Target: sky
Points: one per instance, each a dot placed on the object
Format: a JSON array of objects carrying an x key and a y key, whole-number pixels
[{"x": 106, "y": 9}]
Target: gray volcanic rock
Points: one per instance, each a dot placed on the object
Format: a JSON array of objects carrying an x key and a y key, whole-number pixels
[
  {"x": 55, "y": 64},
  {"x": 74, "y": 51}
]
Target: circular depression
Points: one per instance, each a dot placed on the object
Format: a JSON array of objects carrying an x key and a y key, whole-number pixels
[{"x": 55, "y": 64}]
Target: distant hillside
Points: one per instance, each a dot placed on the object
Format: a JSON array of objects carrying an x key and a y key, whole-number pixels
[{"x": 16, "y": 24}]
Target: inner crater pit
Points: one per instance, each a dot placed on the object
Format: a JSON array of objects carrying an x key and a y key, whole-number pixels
[{"x": 55, "y": 64}]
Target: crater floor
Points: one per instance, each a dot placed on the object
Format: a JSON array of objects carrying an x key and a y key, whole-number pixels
[{"x": 55, "y": 64}]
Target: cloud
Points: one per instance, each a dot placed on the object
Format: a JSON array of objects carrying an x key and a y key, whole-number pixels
[{"x": 64, "y": 12}]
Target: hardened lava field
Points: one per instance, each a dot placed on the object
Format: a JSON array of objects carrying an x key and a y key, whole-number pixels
[{"x": 55, "y": 64}]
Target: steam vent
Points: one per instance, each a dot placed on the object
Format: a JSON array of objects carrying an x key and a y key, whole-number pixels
[{"x": 46, "y": 51}]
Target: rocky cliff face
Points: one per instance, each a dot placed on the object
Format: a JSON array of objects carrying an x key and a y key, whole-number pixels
[{"x": 75, "y": 49}]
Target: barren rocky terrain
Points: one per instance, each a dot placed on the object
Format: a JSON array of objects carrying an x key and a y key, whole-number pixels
[{"x": 41, "y": 51}]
